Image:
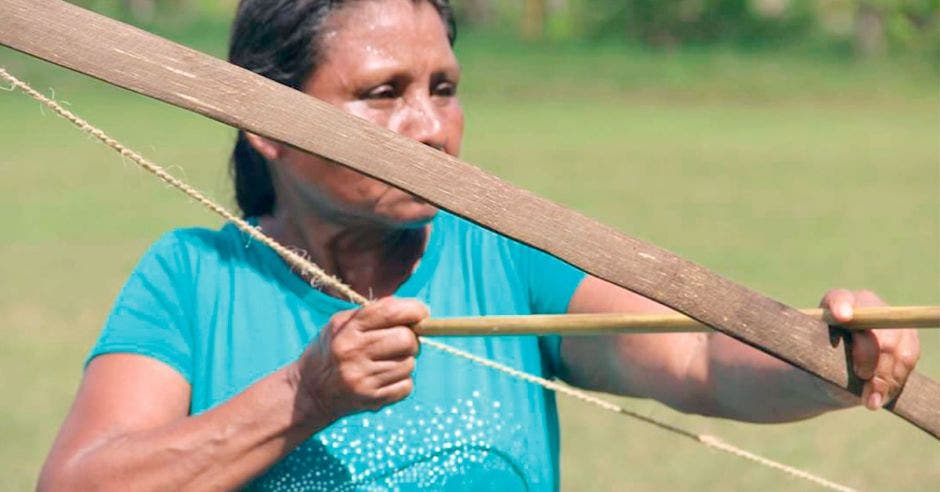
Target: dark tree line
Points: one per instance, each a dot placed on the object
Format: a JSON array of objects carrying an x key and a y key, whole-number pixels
[{"x": 870, "y": 27}]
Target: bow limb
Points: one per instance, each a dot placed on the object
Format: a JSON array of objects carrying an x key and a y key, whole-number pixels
[{"x": 133, "y": 59}]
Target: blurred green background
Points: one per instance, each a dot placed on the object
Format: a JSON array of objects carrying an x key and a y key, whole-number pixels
[{"x": 792, "y": 146}]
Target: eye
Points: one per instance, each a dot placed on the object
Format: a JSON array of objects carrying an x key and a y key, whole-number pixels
[
  {"x": 445, "y": 88},
  {"x": 384, "y": 91}
]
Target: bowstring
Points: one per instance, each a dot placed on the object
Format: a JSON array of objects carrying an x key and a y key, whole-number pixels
[{"x": 319, "y": 278}]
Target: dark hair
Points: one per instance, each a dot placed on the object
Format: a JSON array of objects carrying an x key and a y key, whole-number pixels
[{"x": 281, "y": 40}]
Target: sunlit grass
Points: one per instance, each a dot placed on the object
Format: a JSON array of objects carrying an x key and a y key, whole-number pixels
[{"x": 789, "y": 176}]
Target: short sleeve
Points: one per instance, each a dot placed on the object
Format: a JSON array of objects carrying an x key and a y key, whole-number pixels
[
  {"x": 551, "y": 283},
  {"x": 149, "y": 316}
]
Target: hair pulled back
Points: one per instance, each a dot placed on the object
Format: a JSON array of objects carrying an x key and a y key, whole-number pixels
[{"x": 281, "y": 40}]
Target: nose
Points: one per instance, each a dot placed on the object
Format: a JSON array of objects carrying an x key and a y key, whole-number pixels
[{"x": 423, "y": 121}]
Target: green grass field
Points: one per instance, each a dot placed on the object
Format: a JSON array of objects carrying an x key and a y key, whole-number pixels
[{"x": 788, "y": 174}]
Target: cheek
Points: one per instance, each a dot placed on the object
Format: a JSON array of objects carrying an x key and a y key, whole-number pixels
[
  {"x": 450, "y": 115},
  {"x": 348, "y": 187},
  {"x": 453, "y": 116},
  {"x": 303, "y": 166},
  {"x": 328, "y": 179},
  {"x": 361, "y": 109}
]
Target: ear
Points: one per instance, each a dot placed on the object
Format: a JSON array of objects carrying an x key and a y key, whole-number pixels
[{"x": 270, "y": 149}]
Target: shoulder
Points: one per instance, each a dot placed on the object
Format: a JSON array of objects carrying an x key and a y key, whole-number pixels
[
  {"x": 461, "y": 231},
  {"x": 177, "y": 267},
  {"x": 193, "y": 239},
  {"x": 194, "y": 244},
  {"x": 475, "y": 239},
  {"x": 182, "y": 258}
]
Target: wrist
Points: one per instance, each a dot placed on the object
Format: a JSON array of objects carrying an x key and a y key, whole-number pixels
[
  {"x": 308, "y": 410},
  {"x": 832, "y": 395}
]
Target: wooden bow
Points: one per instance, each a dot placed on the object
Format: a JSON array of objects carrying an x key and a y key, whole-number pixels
[{"x": 122, "y": 55}]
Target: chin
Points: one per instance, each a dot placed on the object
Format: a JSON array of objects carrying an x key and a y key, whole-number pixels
[
  {"x": 404, "y": 210},
  {"x": 413, "y": 216}
]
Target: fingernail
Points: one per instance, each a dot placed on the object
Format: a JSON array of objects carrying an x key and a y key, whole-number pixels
[
  {"x": 845, "y": 311},
  {"x": 874, "y": 401}
]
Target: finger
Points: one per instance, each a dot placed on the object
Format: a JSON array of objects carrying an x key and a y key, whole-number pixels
[
  {"x": 867, "y": 298},
  {"x": 906, "y": 355},
  {"x": 878, "y": 390},
  {"x": 881, "y": 386},
  {"x": 394, "y": 392},
  {"x": 340, "y": 320},
  {"x": 390, "y": 311},
  {"x": 840, "y": 303},
  {"x": 864, "y": 354},
  {"x": 391, "y": 343},
  {"x": 388, "y": 372}
]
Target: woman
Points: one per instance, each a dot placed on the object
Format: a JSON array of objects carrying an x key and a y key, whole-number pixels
[{"x": 219, "y": 367}]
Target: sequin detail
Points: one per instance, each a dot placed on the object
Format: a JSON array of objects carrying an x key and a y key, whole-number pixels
[{"x": 409, "y": 446}]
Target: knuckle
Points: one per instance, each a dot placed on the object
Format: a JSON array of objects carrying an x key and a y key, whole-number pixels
[
  {"x": 354, "y": 381},
  {"x": 340, "y": 319},
  {"x": 384, "y": 304},
  {"x": 348, "y": 379},
  {"x": 880, "y": 383},
  {"x": 899, "y": 375},
  {"x": 343, "y": 348},
  {"x": 886, "y": 340},
  {"x": 908, "y": 356},
  {"x": 405, "y": 337},
  {"x": 368, "y": 311}
]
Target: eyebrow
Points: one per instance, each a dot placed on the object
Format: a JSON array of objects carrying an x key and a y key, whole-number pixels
[{"x": 381, "y": 71}]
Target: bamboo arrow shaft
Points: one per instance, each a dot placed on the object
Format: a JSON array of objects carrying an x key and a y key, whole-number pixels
[
  {"x": 89, "y": 43},
  {"x": 607, "y": 323}
]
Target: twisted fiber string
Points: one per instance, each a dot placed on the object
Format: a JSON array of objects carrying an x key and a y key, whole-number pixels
[
  {"x": 319, "y": 278},
  {"x": 308, "y": 269}
]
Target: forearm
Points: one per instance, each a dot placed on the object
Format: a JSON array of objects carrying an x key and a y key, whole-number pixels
[
  {"x": 220, "y": 449},
  {"x": 708, "y": 374},
  {"x": 747, "y": 384}
]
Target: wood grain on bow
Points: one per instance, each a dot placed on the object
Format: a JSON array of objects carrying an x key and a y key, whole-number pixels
[{"x": 136, "y": 60}]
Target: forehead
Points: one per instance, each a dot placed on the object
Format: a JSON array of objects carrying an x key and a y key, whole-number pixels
[{"x": 371, "y": 33}]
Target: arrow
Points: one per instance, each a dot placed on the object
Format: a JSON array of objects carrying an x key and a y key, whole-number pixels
[{"x": 608, "y": 323}]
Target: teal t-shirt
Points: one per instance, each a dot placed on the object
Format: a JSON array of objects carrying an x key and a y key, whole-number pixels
[{"x": 225, "y": 311}]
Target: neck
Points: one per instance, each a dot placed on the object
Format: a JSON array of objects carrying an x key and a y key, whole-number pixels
[{"x": 374, "y": 259}]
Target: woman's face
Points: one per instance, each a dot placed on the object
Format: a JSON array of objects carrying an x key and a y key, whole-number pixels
[{"x": 389, "y": 62}]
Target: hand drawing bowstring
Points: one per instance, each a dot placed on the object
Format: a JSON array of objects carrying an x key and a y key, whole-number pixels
[{"x": 319, "y": 278}]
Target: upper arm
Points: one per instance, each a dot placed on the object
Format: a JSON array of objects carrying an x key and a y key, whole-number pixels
[
  {"x": 661, "y": 366},
  {"x": 120, "y": 393},
  {"x": 136, "y": 377}
]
